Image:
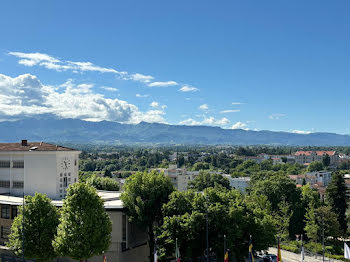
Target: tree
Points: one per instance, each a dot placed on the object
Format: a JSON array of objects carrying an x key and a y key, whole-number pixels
[
  {"x": 315, "y": 166},
  {"x": 85, "y": 227},
  {"x": 143, "y": 197},
  {"x": 40, "y": 224},
  {"x": 229, "y": 213},
  {"x": 311, "y": 226},
  {"x": 282, "y": 218},
  {"x": 337, "y": 198},
  {"x": 108, "y": 173},
  {"x": 103, "y": 183},
  {"x": 326, "y": 160},
  {"x": 205, "y": 180}
]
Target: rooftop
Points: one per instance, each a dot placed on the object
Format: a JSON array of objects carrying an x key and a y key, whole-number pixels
[
  {"x": 111, "y": 200},
  {"x": 32, "y": 146},
  {"x": 319, "y": 153}
]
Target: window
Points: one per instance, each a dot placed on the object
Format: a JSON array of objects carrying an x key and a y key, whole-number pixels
[
  {"x": 124, "y": 225},
  {"x": 17, "y": 184},
  {"x": 65, "y": 184},
  {"x": 5, "y": 211},
  {"x": 61, "y": 185},
  {"x": 18, "y": 164},
  {"x": 4, "y": 164},
  {"x": 5, "y": 183},
  {"x": 75, "y": 162},
  {"x": 60, "y": 179},
  {"x": 68, "y": 174},
  {"x": 75, "y": 180},
  {"x": 13, "y": 212},
  {"x": 69, "y": 179},
  {"x": 5, "y": 232}
]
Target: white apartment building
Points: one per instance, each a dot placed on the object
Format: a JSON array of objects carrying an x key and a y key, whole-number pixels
[
  {"x": 179, "y": 176},
  {"x": 239, "y": 183},
  {"x": 29, "y": 167},
  {"x": 304, "y": 157}
]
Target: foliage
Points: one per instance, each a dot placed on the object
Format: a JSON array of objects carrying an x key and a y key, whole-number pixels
[
  {"x": 85, "y": 227},
  {"x": 282, "y": 219},
  {"x": 336, "y": 197},
  {"x": 315, "y": 166},
  {"x": 205, "y": 180},
  {"x": 311, "y": 226},
  {"x": 229, "y": 213},
  {"x": 103, "y": 183},
  {"x": 40, "y": 224},
  {"x": 143, "y": 197},
  {"x": 326, "y": 160}
]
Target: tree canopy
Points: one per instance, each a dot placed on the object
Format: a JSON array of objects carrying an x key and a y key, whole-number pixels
[
  {"x": 205, "y": 180},
  {"x": 85, "y": 227},
  {"x": 39, "y": 227}
]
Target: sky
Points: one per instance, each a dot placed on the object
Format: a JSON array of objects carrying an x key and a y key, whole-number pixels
[{"x": 257, "y": 65}]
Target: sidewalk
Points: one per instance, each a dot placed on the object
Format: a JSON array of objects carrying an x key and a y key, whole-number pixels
[{"x": 292, "y": 257}]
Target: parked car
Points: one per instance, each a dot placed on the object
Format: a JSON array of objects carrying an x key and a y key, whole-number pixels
[{"x": 270, "y": 258}]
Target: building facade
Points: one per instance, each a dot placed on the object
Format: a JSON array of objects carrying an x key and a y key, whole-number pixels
[
  {"x": 26, "y": 168},
  {"x": 306, "y": 157}
]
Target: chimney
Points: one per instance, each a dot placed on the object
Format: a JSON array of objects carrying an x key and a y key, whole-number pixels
[{"x": 24, "y": 143}]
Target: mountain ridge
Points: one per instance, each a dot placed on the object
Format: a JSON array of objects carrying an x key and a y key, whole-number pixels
[{"x": 107, "y": 132}]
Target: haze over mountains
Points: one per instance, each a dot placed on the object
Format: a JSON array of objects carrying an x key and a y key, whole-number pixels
[{"x": 105, "y": 132}]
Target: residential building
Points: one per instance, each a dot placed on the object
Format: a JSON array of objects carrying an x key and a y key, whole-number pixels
[
  {"x": 37, "y": 167},
  {"x": 179, "y": 176},
  {"x": 239, "y": 183},
  {"x": 306, "y": 157}
]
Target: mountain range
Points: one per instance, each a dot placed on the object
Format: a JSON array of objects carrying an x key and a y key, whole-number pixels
[{"x": 52, "y": 129}]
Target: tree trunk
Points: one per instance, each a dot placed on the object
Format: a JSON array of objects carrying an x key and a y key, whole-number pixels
[{"x": 151, "y": 242}]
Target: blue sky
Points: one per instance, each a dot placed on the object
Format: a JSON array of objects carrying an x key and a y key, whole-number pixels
[{"x": 259, "y": 65}]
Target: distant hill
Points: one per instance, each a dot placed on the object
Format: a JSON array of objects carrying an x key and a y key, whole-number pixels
[{"x": 79, "y": 131}]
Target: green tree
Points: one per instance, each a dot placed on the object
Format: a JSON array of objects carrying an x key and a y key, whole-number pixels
[
  {"x": 337, "y": 198},
  {"x": 108, "y": 173},
  {"x": 282, "y": 218},
  {"x": 40, "y": 224},
  {"x": 326, "y": 160},
  {"x": 205, "y": 180},
  {"x": 229, "y": 213},
  {"x": 103, "y": 183},
  {"x": 85, "y": 227},
  {"x": 315, "y": 166},
  {"x": 311, "y": 226},
  {"x": 143, "y": 197}
]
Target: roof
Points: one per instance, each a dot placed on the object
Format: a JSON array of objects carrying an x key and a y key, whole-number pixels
[
  {"x": 319, "y": 153},
  {"x": 111, "y": 200},
  {"x": 32, "y": 146}
]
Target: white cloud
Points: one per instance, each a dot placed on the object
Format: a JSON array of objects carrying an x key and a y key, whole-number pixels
[
  {"x": 141, "y": 96},
  {"x": 52, "y": 63},
  {"x": 210, "y": 121},
  {"x": 154, "y": 104},
  {"x": 229, "y": 111},
  {"x": 187, "y": 88},
  {"x": 141, "y": 78},
  {"x": 277, "y": 116},
  {"x": 237, "y": 103},
  {"x": 301, "y": 132},
  {"x": 190, "y": 122},
  {"x": 163, "y": 84},
  {"x": 240, "y": 125},
  {"x": 203, "y": 107},
  {"x": 108, "y": 88},
  {"x": 25, "y": 95}
]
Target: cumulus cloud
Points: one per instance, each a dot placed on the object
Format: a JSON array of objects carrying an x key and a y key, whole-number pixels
[
  {"x": 240, "y": 125},
  {"x": 163, "y": 84},
  {"x": 25, "y": 95},
  {"x": 211, "y": 121},
  {"x": 187, "y": 88},
  {"x": 154, "y": 104},
  {"x": 141, "y": 78},
  {"x": 277, "y": 116},
  {"x": 301, "y": 132},
  {"x": 229, "y": 111},
  {"x": 203, "y": 107}
]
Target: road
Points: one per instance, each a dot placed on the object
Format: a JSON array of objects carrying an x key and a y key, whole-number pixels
[{"x": 292, "y": 257}]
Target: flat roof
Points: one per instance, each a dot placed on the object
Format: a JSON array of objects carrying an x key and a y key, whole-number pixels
[
  {"x": 111, "y": 200},
  {"x": 33, "y": 146}
]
